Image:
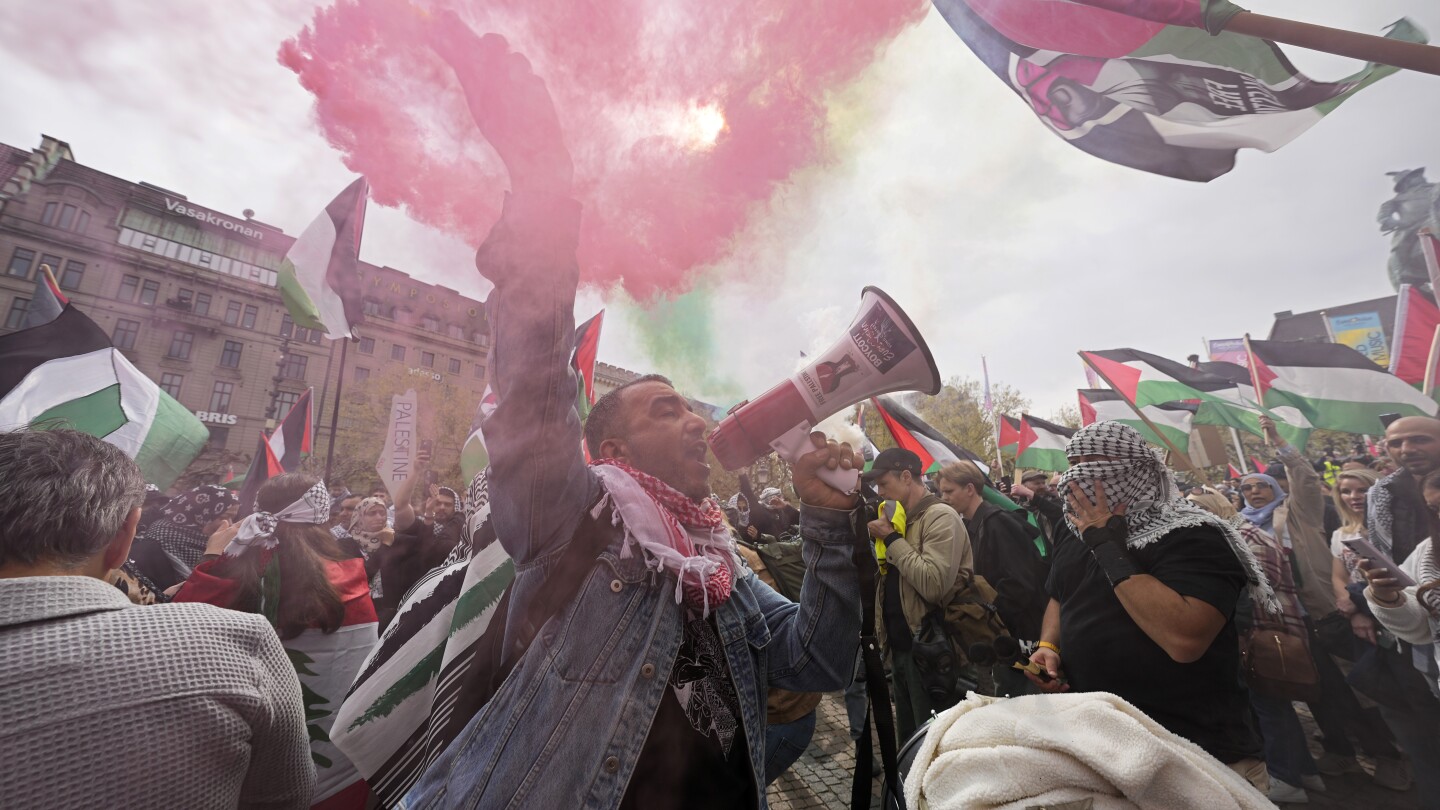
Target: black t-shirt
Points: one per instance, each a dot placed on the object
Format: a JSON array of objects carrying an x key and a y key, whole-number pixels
[
  {"x": 695, "y": 756},
  {"x": 1104, "y": 650}
]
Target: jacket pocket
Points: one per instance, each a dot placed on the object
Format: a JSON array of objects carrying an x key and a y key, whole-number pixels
[{"x": 593, "y": 639}]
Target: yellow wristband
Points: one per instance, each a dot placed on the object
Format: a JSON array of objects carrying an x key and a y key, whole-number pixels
[{"x": 1047, "y": 645}]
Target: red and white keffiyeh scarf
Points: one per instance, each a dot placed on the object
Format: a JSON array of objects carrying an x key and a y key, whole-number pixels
[{"x": 673, "y": 532}]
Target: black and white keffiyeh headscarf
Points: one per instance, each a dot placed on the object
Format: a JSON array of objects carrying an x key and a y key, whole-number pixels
[
  {"x": 1139, "y": 479},
  {"x": 258, "y": 528},
  {"x": 179, "y": 528}
]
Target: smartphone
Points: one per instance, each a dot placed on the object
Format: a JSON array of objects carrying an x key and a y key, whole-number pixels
[
  {"x": 1367, "y": 550},
  {"x": 426, "y": 446}
]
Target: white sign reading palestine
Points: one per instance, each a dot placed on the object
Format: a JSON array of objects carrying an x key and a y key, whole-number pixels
[{"x": 397, "y": 457}]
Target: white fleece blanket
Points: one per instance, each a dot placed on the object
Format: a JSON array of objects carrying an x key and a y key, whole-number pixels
[{"x": 1051, "y": 749}]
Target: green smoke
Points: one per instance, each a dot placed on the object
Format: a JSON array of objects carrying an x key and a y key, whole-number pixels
[{"x": 679, "y": 336}]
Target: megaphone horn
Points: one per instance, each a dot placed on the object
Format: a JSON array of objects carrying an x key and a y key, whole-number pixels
[{"x": 880, "y": 353}]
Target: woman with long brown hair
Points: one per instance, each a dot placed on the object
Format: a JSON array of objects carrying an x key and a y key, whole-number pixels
[{"x": 283, "y": 563}]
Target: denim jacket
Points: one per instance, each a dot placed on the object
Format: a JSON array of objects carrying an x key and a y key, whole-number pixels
[{"x": 567, "y": 726}]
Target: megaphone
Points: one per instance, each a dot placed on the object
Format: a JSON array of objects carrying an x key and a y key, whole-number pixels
[{"x": 880, "y": 353}]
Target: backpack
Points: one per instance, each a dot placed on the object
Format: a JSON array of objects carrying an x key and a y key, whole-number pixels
[{"x": 783, "y": 560}]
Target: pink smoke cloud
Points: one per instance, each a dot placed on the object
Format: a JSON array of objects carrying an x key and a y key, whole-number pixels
[{"x": 680, "y": 115}]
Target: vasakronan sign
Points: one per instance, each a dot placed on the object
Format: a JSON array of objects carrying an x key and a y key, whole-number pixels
[{"x": 209, "y": 218}]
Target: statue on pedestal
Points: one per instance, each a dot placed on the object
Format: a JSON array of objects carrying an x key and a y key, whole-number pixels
[{"x": 1416, "y": 205}]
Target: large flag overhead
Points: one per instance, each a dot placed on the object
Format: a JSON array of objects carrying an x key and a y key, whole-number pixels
[
  {"x": 1143, "y": 84},
  {"x": 1416, "y": 318},
  {"x": 292, "y": 439},
  {"x": 320, "y": 277},
  {"x": 1173, "y": 419},
  {"x": 1336, "y": 387},
  {"x": 1042, "y": 444},
  {"x": 66, "y": 373}
]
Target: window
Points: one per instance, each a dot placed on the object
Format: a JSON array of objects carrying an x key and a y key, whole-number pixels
[
  {"x": 20, "y": 262},
  {"x": 454, "y": 366},
  {"x": 230, "y": 355},
  {"x": 218, "y": 436},
  {"x": 367, "y": 345},
  {"x": 479, "y": 372},
  {"x": 48, "y": 218},
  {"x": 180, "y": 344},
  {"x": 129, "y": 286},
  {"x": 287, "y": 326},
  {"x": 220, "y": 397},
  {"x": 170, "y": 384},
  {"x": 430, "y": 323},
  {"x": 185, "y": 297},
  {"x": 284, "y": 401},
  {"x": 294, "y": 367},
  {"x": 248, "y": 320},
  {"x": 70, "y": 279},
  {"x": 457, "y": 332},
  {"x": 361, "y": 374},
  {"x": 202, "y": 304},
  {"x": 125, "y": 333},
  {"x": 427, "y": 359},
  {"x": 149, "y": 291},
  {"x": 82, "y": 222},
  {"x": 397, "y": 352},
  {"x": 232, "y": 313},
  {"x": 67, "y": 216},
  {"x": 52, "y": 260},
  {"x": 15, "y": 318}
]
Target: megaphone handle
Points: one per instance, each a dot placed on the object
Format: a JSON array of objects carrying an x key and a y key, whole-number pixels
[{"x": 796, "y": 443}]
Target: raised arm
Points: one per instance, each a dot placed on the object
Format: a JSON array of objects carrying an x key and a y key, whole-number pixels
[{"x": 539, "y": 483}]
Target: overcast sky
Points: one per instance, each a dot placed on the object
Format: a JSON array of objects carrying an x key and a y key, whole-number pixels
[{"x": 997, "y": 237}]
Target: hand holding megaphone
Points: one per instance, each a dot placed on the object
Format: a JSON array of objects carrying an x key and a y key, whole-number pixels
[{"x": 826, "y": 456}]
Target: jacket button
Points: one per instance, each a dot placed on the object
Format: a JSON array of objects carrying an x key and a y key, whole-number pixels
[
  {"x": 616, "y": 585},
  {"x": 612, "y": 764},
  {"x": 647, "y": 671}
]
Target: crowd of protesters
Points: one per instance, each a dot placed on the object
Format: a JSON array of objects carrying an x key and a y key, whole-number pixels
[{"x": 657, "y": 650}]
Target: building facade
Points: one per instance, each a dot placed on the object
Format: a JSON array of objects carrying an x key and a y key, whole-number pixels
[{"x": 189, "y": 295}]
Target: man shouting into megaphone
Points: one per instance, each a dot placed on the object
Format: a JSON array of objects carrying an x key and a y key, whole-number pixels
[{"x": 647, "y": 688}]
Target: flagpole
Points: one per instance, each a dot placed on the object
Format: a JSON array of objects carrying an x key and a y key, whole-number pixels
[
  {"x": 1175, "y": 451},
  {"x": 1239, "y": 451},
  {"x": 1397, "y": 53},
  {"x": 1255, "y": 381},
  {"x": 1429, "y": 386},
  {"x": 335, "y": 410}
]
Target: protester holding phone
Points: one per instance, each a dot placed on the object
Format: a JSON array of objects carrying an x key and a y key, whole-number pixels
[{"x": 1409, "y": 611}]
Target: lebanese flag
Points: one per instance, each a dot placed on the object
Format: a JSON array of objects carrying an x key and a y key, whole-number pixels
[
  {"x": 291, "y": 441},
  {"x": 1042, "y": 444},
  {"x": 1336, "y": 387},
  {"x": 319, "y": 278},
  {"x": 263, "y": 466},
  {"x": 1154, "y": 85},
  {"x": 1009, "y": 433},
  {"x": 65, "y": 373},
  {"x": 1173, "y": 419},
  {"x": 1416, "y": 319},
  {"x": 587, "y": 346}
]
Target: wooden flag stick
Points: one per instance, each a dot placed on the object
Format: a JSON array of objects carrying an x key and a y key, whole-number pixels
[
  {"x": 1174, "y": 451},
  {"x": 1429, "y": 388},
  {"x": 1401, "y": 54},
  {"x": 1255, "y": 381}
]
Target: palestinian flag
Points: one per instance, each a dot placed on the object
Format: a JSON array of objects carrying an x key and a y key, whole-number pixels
[
  {"x": 1144, "y": 85},
  {"x": 1010, "y": 433},
  {"x": 291, "y": 440},
  {"x": 1336, "y": 387},
  {"x": 1231, "y": 472},
  {"x": 1416, "y": 319},
  {"x": 935, "y": 451},
  {"x": 1223, "y": 394},
  {"x": 473, "y": 456},
  {"x": 1042, "y": 444},
  {"x": 263, "y": 466},
  {"x": 65, "y": 373},
  {"x": 587, "y": 346},
  {"x": 320, "y": 277},
  {"x": 46, "y": 302},
  {"x": 919, "y": 437},
  {"x": 1174, "y": 419},
  {"x": 1257, "y": 465}
]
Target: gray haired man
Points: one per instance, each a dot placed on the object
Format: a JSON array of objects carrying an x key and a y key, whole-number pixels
[{"x": 102, "y": 702}]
